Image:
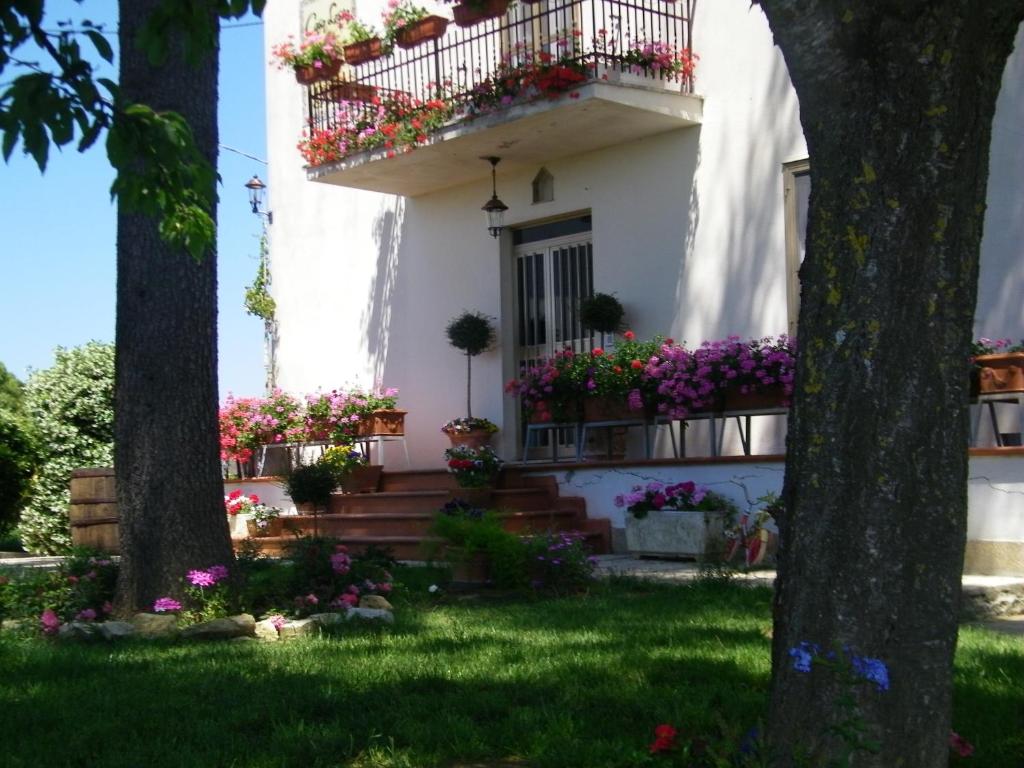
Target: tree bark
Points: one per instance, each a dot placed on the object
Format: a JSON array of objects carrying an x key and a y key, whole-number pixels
[
  {"x": 896, "y": 101},
  {"x": 170, "y": 493}
]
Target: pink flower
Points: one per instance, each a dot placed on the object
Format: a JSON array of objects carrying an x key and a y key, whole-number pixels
[
  {"x": 384, "y": 587},
  {"x": 201, "y": 578},
  {"x": 49, "y": 621},
  {"x": 165, "y": 605},
  {"x": 107, "y": 608},
  {"x": 960, "y": 745},
  {"x": 278, "y": 621},
  {"x": 312, "y": 599},
  {"x": 86, "y": 615},
  {"x": 349, "y": 600}
]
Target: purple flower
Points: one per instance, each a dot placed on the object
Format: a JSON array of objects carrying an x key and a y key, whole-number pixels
[
  {"x": 872, "y": 670},
  {"x": 86, "y": 615},
  {"x": 218, "y": 572},
  {"x": 802, "y": 656},
  {"x": 49, "y": 621},
  {"x": 201, "y": 578},
  {"x": 166, "y": 604}
]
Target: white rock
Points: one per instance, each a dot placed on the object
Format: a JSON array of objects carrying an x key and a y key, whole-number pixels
[
  {"x": 266, "y": 631},
  {"x": 155, "y": 624},
  {"x": 298, "y": 628},
  {"x": 371, "y": 614},
  {"x": 328, "y": 619}
]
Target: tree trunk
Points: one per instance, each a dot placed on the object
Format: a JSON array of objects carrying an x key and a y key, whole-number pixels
[
  {"x": 896, "y": 101},
  {"x": 469, "y": 385},
  {"x": 170, "y": 494}
]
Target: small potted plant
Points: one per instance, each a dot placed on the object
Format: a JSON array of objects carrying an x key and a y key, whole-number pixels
[
  {"x": 407, "y": 25},
  {"x": 265, "y": 521},
  {"x": 471, "y": 333},
  {"x": 470, "y": 430},
  {"x": 362, "y": 43},
  {"x": 475, "y": 471},
  {"x": 311, "y": 485},
  {"x": 677, "y": 520},
  {"x": 998, "y": 367},
  {"x": 471, "y": 12},
  {"x": 355, "y": 473},
  {"x": 478, "y": 548}
]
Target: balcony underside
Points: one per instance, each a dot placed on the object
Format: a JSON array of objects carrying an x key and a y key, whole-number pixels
[{"x": 525, "y": 136}]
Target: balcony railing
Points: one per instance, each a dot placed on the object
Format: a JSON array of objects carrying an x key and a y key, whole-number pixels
[{"x": 594, "y": 37}]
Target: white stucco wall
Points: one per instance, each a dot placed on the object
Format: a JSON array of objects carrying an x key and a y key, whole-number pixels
[{"x": 688, "y": 232}]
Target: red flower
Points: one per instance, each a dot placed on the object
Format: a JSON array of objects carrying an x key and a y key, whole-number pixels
[
  {"x": 597, "y": 352},
  {"x": 617, "y": 369},
  {"x": 960, "y": 745},
  {"x": 636, "y": 365},
  {"x": 665, "y": 738},
  {"x": 629, "y": 335}
]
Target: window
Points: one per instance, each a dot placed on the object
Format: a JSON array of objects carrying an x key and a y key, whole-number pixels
[{"x": 796, "y": 183}]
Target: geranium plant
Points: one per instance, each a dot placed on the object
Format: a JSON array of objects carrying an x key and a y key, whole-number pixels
[
  {"x": 318, "y": 48},
  {"x": 684, "y": 496},
  {"x": 550, "y": 390},
  {"x": 398, "y": 15},
  {"x": 467, "y": 424},
  {"x": 473, "y": 467}
]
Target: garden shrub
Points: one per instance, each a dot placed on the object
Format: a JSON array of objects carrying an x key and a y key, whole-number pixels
[
  {"x": 81, "y": 588},
  {"x": 17, "y": 461},
  {"x": 71, "y": 406}
]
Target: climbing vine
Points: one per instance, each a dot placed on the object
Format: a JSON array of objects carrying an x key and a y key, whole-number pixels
[{"x": 258, "y": 300}]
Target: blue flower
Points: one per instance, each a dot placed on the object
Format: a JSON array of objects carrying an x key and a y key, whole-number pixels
[
  {"x": 872, "y": 670},
  {"x": 803, "y": 654}
]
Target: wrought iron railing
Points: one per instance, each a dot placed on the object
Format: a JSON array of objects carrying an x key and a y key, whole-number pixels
[{"x": 597, "y": 34}]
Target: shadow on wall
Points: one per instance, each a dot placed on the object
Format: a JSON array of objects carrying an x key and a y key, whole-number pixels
[{"x": 376, "y": 319}]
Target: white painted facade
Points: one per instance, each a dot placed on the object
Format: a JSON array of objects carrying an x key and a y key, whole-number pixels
[{"x": 688, "y": 232}]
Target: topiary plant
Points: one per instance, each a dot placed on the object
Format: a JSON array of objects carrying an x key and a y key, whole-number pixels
[
  {"x": 312, "y": 484},
  {"x": 601, "y": 312},
  {"x": 472, "y": 332}
]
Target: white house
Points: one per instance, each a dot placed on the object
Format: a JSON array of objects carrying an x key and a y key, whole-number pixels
[{"x": 687, "y": 205}]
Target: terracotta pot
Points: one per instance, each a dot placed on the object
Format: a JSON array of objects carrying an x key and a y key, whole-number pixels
[
  {"x": 346, "y": 91},
  {"x": 272, "y": 528},
  {"x": 382, "y": 423},
  {"x": 475, "y": 497},
  {"x": 469, "y": 13},
  {"x": 999, "y": 374},
  {"x": 607, "y": 409},
  {"x": 362, "y": 479},
  {"x": 364, "y": 51},
  {"x": 310, "y": 75},
  {"x": 475, "y": 438},
  {"x": 422, "y": 31},
  {"x": 773, "y": 396}
]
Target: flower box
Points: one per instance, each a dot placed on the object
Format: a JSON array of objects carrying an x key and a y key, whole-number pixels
[
  {"x": 382, "y": 424},
  {"x": 273, "y": 527},
  {"x": 472, "y": 12},
  {"x": 674, "y": 533},
  {"x": 346, "y": 91},
  {"x": 773, "y": 396},
  {"x": 607, "y": 409},
  {"x": 364, "y": 51},
  {"x": 1000, "y": 374},
  {"x": 310, "y": 74},
  {"x": 422, "y": 31}
]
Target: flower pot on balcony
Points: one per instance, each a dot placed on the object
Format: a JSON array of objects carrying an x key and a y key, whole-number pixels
[
  {"x": 773, "y": 396},
  {"x": 362, "y": 479},
  {"x": 607, "y": 409},
  {"x": 311, "y": 74},
  {"x": 382, "y": 423},
  {"x": 364, "y": 51},
  {"x": 1000, "y": 374},
  {"x": 422, "y": 31},
  {"x": 472, "y": 12},
  {"x": 346, "y": 91},
  {"x": 673, "y": 533}
]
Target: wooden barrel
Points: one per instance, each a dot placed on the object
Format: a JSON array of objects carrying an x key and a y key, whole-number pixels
[{"x": 93, "y": 510}]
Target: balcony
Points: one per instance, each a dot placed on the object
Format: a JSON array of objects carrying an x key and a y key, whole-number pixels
[{"x": 543, "y": 81}]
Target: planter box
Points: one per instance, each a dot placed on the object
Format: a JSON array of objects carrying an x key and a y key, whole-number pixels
[
  {"x": 773, "y": 396},
  {"x": 469, "y": 13},
  {"x": 310, "y": 75},
  {"x": 1000, "y": 374},
  {"x": 346, "y": 91},
  {"x": 422, "y": 31},
  {"x": 362, "y": 479},
  {"x": 382, "y": 423},
  {"x": 475, "y": 438},
  {"x": 608, "y": 409},
  {"x": 362, "y": 52},
  {"x": 672, "y": 533}
]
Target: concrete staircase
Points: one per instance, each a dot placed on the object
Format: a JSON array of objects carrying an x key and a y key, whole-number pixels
[{"x": 399, "y": 516}]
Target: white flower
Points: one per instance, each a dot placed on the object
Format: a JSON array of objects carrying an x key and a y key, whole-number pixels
[{"x": 433, "y": 588}]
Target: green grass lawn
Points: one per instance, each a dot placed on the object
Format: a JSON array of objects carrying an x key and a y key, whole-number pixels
[{"x": 576, "y": 681}]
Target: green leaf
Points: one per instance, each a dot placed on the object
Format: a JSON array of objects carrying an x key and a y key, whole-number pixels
[{"x": 102, "y": 46}]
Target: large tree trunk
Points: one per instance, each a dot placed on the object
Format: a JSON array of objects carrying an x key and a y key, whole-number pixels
[
  {"x": 896, "y": 101},
  {"x": 170, "y": 495}
]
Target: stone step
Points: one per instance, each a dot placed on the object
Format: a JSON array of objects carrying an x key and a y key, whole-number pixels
[
  {"x": 419, "y": 523},
  {"x": 417, "y": 480},
  {"x": 522, "y": 499}
]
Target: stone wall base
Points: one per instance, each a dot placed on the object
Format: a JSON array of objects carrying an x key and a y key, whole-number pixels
[{"x": 994, "y": 558}]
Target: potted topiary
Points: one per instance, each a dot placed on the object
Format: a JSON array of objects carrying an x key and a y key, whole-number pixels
[
  {"x": 472, "y": 333},
  {"x": 602, "y": 313},
  {"x": 312, "y": 485}
]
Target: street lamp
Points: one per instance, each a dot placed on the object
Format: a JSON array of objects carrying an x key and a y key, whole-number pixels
[{"x": 256, "y": 188}]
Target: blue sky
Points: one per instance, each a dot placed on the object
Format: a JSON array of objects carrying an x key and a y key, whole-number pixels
[{"x": 59, "y": 228}]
